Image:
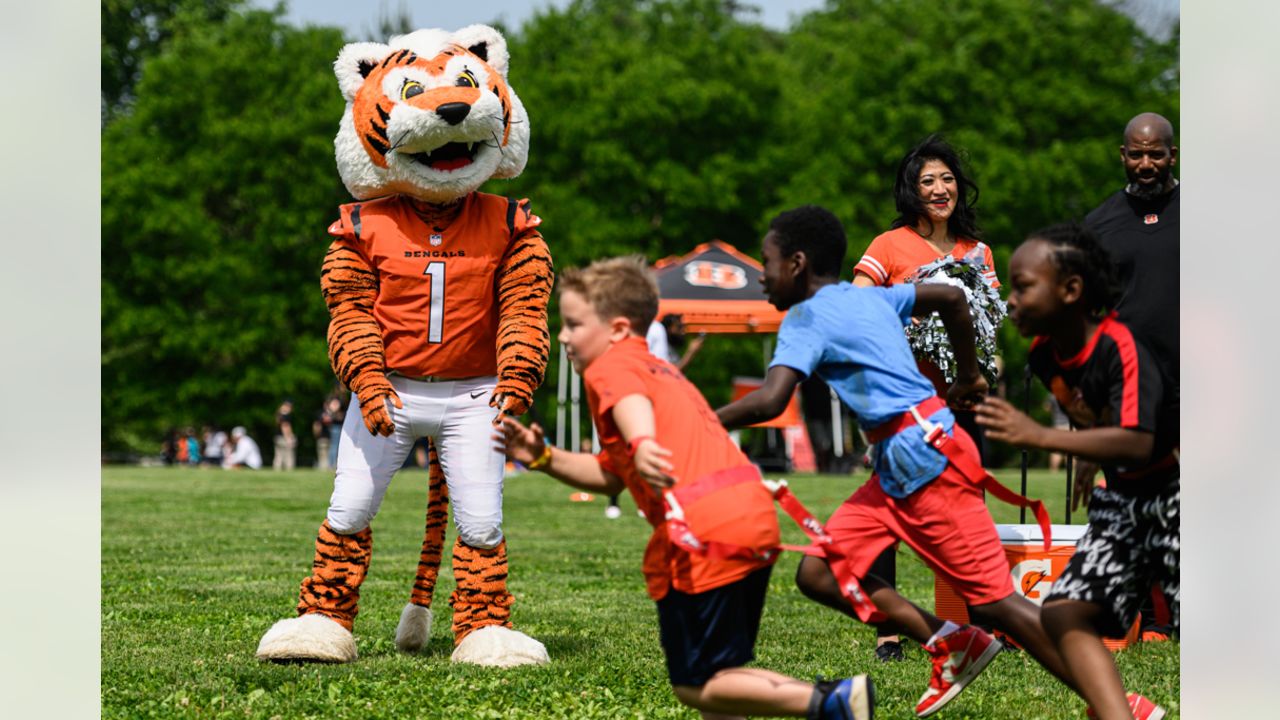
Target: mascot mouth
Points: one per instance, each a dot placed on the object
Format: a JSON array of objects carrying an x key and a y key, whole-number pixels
[{"x": 449, "y": 156}]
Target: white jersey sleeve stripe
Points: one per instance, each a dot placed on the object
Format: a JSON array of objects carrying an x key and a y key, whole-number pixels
[{"x": 872, "y": 267}]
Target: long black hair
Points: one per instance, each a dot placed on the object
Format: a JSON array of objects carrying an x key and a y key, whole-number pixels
[
  {"x": 963, "y": 222},
  {"x": 1076, "y": 251}
]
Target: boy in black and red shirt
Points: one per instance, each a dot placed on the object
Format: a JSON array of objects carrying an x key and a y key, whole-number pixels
[{"x": 1061, "y": 291}]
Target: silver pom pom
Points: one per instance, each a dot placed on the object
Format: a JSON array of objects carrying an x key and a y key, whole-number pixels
[{"x": 928, "y": 337}]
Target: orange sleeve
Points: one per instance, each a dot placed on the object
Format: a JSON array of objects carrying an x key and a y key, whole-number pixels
[
  {"x": 878, "y": 261},
  {"x": 524, "y": 218}
]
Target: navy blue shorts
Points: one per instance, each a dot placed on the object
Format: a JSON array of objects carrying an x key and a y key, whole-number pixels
[{"x": 710, "y": 631}]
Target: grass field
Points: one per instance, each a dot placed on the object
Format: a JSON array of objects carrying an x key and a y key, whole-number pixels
[{"x": 196, "y": 565}]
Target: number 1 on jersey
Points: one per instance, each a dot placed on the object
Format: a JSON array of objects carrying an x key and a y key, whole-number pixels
[{"x": 435, "y": 326}]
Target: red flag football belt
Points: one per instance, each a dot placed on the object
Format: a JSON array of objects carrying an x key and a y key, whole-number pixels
[
  {"x": 889, "y": 428},
  {"x": 683, "y": 536},
  {"x": 968, "y": 465},
  {"x": 821, "y": 544}
]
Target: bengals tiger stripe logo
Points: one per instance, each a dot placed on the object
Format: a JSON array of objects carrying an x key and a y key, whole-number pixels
[{"x": 705, "y": 273}]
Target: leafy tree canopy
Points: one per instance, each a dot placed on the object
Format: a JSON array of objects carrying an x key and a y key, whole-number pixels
[
  {"x": 656, "y": 125},
  {"x": 135, "y": 30},
  {"x": 217, "y": 188}
]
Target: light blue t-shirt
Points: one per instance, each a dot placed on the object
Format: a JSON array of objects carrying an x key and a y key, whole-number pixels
[{"x": 852, "y": 338}]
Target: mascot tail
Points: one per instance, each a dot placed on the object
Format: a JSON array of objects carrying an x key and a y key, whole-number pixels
[
  {"x": 415, "y": 620},
  {"x": 424, "y": 585}
]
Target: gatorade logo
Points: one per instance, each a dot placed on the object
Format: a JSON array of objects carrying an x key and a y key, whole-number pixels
[
  {"x": 703, "y": 273},
  {"x": 1033, "y": 578}
]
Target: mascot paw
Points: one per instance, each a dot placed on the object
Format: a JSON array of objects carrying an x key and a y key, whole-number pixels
[
  {"x": 496, "y": 646},
  {"x": 414, "y": 629},
  {"x": 308, "y": 638}
]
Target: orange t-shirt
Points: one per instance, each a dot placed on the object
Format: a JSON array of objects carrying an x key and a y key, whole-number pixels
[
  {"x": 895, "y": 256},
  {"x": 700, "y": 446},
  {"x": 437, "y": 299}
]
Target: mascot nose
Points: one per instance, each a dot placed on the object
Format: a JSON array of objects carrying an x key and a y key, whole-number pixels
[{"x": 454, "y": 112}]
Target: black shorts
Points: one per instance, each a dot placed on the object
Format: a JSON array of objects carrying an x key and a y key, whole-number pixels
[
  {"x": 710, "y": 631},
  {"x": 1131, "y": 544}
]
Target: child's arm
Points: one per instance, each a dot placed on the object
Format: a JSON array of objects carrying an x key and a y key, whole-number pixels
[
  {"x": 633, "y": 415},
  {"x": 766, "y": 403},
  {"x": 950, "y": 304},
  {"x": 1110, "y": 445},
  {"x": 527, "y": 446}
]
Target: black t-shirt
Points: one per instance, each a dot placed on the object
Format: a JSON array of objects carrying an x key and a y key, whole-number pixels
[
  {"x": 1114, "y": 382},
  {"x": 1142, "y": 239}
]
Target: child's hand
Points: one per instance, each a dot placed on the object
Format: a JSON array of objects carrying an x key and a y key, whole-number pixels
[
  {"x": 1083, "y": 482},
  {"x": 1006, "y": 423},
  {"x": 651, "y": 463},
  {"x": 965, "y": 394},
  {"x": 519, "y": 443}
]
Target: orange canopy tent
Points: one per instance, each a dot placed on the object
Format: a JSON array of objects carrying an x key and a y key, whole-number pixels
[{"x": 715, "y": 289}]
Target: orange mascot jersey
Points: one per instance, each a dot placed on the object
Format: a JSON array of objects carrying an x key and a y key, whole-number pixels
[
  {"x": 700, "y": 446},
  {"x": 436, "y": 304}
]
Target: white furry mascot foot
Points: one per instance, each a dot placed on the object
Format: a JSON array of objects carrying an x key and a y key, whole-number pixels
[
  {"x": 308, "y": 638},
  {"x": 497, "y": 646}
]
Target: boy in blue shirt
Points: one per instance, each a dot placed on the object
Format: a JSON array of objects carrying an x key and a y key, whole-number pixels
[{"x": 853, "y": 339}]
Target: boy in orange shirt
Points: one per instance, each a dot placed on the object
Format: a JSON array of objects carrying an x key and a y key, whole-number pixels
[{"x": 660, "y": 439}]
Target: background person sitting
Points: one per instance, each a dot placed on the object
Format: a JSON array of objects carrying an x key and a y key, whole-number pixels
[{"x": 244, "y": 452}]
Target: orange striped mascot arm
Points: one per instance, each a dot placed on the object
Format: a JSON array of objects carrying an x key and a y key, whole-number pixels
[
  {"x": 524, "y": 342},
  {"x": 350, "y": 287}
]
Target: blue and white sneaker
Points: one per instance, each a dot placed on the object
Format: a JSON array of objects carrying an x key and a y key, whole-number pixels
[{"x": 849, "y": 699}]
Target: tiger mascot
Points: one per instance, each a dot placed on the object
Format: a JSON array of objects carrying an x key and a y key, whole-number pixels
[{"x": 437, "y": 297}]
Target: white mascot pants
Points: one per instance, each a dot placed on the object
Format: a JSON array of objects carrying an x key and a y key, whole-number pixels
[{"x": 456, "y": 415}]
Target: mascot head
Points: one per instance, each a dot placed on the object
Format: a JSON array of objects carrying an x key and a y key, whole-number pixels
[{"x": 428, "y": 115}]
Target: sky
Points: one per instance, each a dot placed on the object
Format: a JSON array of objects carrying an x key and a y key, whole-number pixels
[{"x": 360, "y": 19}]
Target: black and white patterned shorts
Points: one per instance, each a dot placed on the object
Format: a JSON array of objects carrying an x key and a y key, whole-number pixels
[{"x": 1131, "y": 544}]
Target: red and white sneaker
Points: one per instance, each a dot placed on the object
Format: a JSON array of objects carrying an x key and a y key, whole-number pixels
[
  {"x": 1142, "y": 708},
  {"x": 957, "y": 660}
]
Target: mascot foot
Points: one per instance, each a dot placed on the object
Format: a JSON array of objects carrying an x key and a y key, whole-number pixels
[
  {"x": 308, "y": 638},
  {"x": 414, "y": 629},
  {"x": 497, "y": 646}
]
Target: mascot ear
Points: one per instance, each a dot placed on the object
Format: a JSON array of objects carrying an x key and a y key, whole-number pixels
[
  {"x": 354, "y": 64},
  {"x": 486, "y": 43}
]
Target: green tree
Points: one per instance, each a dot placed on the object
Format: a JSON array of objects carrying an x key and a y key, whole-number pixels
[
  {"x": 1037, "y": 93},
  {"x": 135, "y": 30},
  {"x": 646, "y": 119},
  {"x": 217, "y": 188}
]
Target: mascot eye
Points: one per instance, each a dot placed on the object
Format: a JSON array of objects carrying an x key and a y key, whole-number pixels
[
  {"x": 410, "y": 89},
  {"x": 466, "y": 79}
]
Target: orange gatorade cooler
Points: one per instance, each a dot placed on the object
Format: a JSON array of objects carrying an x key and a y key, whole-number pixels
[{"x": 1033, "y": 571}]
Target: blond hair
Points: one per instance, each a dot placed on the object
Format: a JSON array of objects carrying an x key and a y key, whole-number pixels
[{"x": 617, "y": 287}]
